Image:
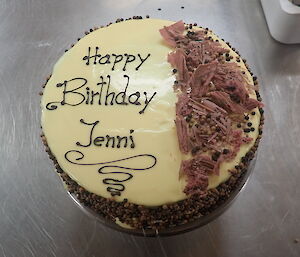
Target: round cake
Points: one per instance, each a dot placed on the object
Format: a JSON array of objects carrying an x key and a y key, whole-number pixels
[{"x": 151, "y": 123}]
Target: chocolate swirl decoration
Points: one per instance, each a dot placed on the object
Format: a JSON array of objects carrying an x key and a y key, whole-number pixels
[
  {"x": 53, "y": 105},
  {"x": 115, "y": 185}
]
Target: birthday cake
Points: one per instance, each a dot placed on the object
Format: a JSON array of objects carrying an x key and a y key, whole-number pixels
[{"x": 151, "y": 123}]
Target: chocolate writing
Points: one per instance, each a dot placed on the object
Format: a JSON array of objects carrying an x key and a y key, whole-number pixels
[
  {"x": 77, "y": 91},
  {"x": 120, "y": 170},
  {"x": 107, "y": 140},
  {"x": 117, "y": 61}
]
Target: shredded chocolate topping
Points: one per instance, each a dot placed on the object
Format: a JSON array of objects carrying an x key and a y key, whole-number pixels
[
  {"x": 213, "y": 97},
  {"x": 173, "y": 33}
]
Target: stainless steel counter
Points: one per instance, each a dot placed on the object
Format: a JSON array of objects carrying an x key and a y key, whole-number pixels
[{"x": 37, "y": 217}]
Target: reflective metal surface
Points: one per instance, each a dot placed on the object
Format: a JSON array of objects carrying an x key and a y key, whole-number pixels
[{"x": 37, "y": 217}]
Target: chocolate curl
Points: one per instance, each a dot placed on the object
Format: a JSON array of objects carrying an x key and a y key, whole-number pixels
[
  {"x": 182, "y": 134},
  {"x": 178, "y": 60},
  {"x": 172, "y": 33},
  {"x": 201, "y": 78}
]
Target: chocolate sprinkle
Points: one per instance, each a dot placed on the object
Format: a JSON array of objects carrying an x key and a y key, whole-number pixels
[
  {"x": 225, "y": 151},
  {"x": 215, "y": 156}
]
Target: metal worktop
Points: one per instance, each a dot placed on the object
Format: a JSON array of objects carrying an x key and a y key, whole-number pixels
[{"x": 38, "y": 218}]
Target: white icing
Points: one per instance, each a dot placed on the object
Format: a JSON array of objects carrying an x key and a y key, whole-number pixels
[{"x": 154, "y": 131}]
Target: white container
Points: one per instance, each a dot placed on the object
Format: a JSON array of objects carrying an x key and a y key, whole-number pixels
[{"x": 283, "y": 19}]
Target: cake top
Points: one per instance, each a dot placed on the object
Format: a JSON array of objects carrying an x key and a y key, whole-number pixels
[{"x": 117, "y": 125}]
